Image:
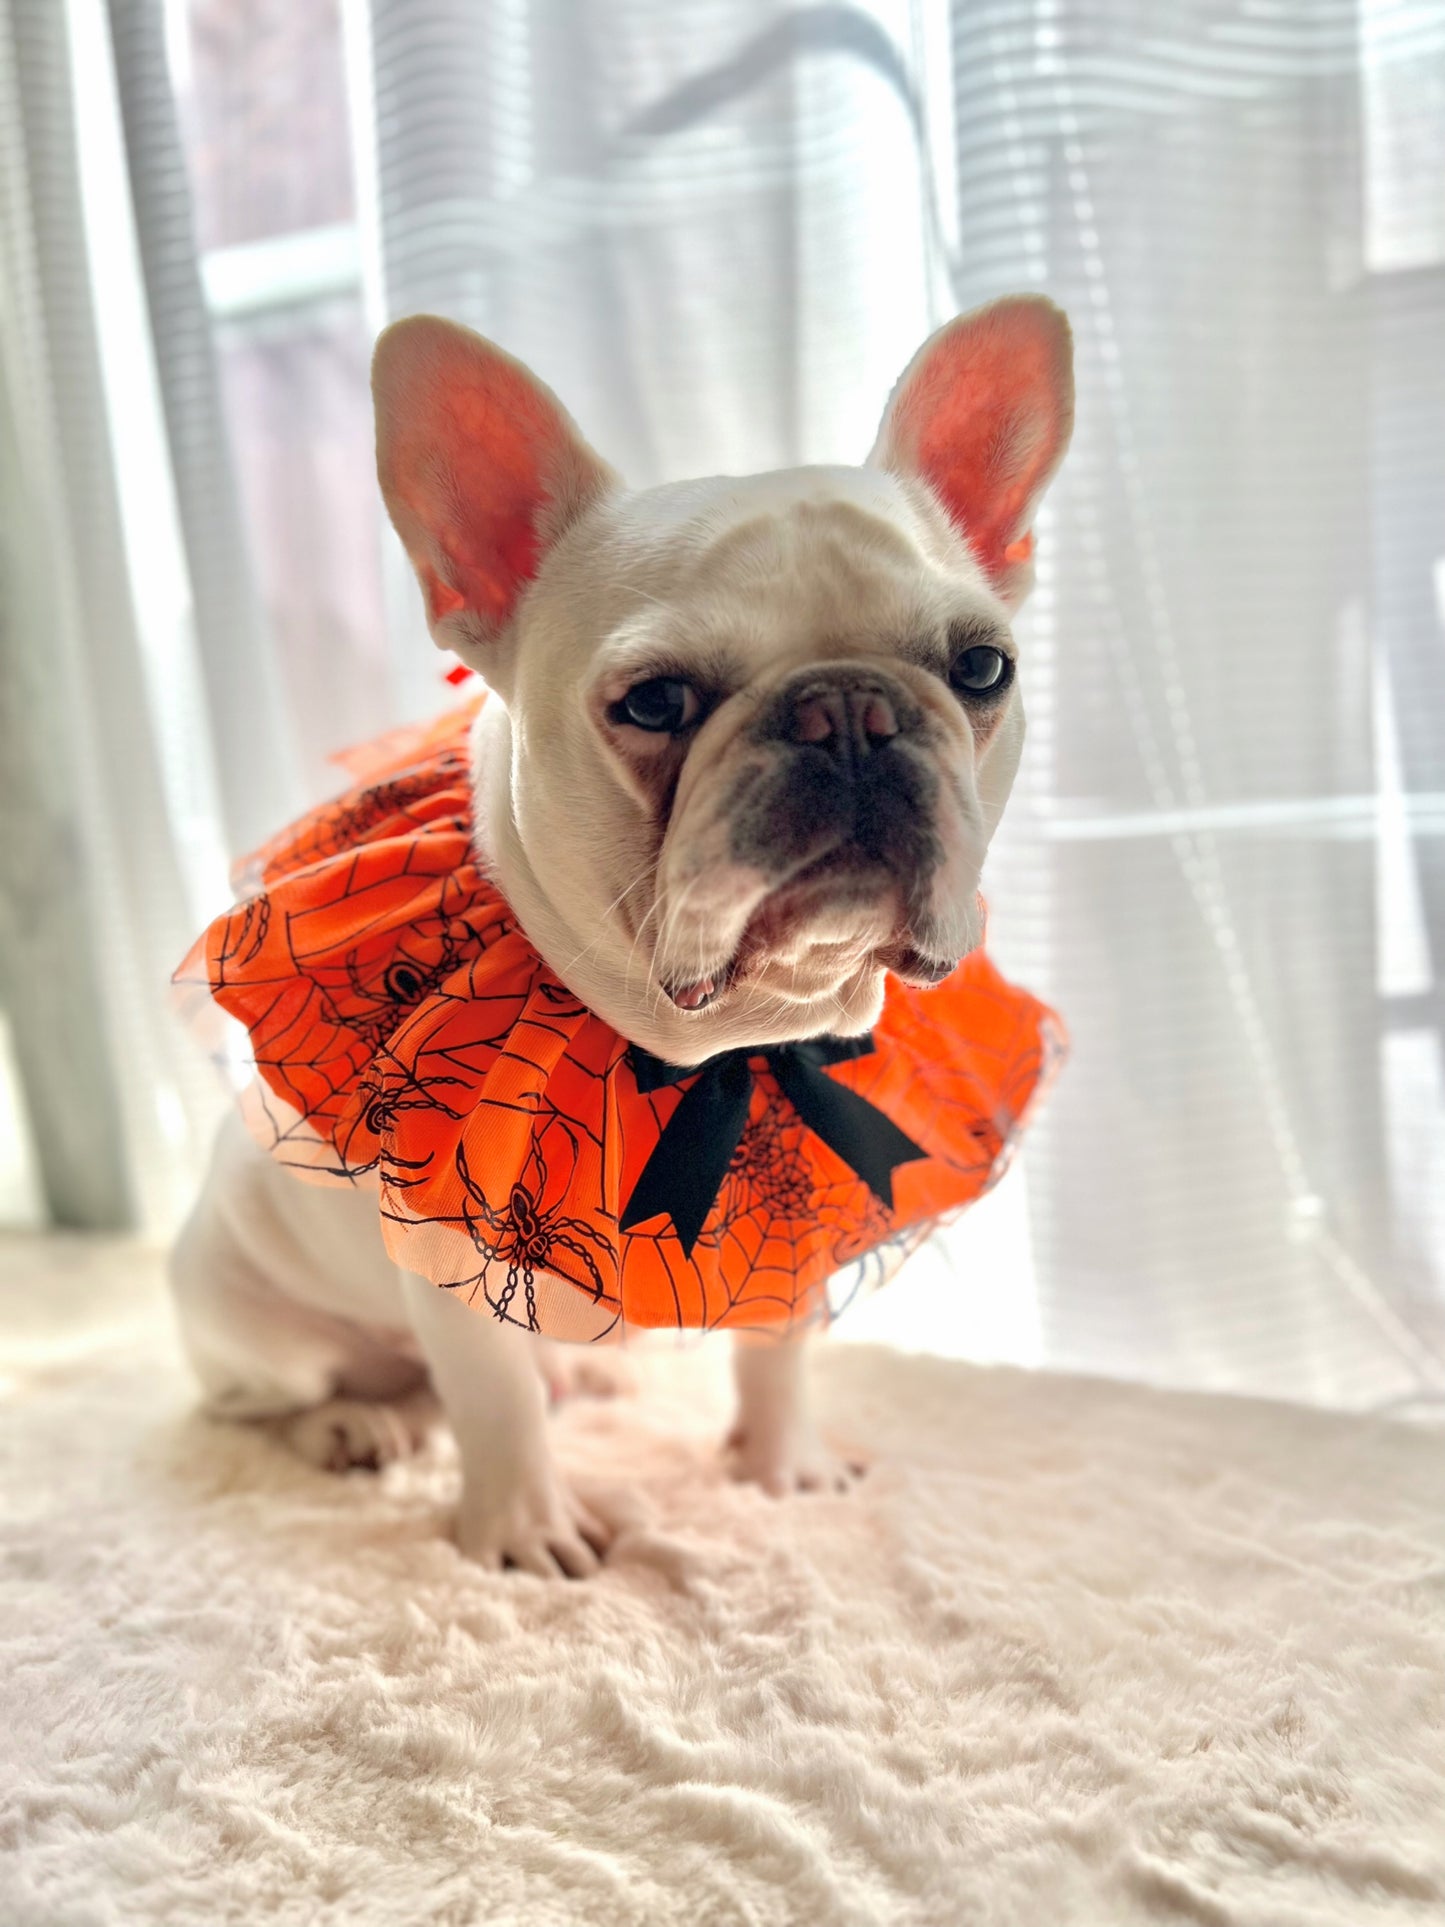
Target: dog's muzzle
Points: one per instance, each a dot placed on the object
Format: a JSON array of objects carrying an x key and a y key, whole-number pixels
[{"x": 850, "y": 777}]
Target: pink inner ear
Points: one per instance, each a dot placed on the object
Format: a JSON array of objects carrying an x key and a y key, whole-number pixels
[
  {"x": 472, "y": 452},
  {"x": 493, "y": 447},
  {"x": 984, "y": 420}
]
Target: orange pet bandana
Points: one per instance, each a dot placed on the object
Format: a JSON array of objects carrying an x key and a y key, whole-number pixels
[{"x": 405, "y": 1033}]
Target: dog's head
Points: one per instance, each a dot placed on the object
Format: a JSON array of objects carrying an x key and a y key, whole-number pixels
[{"x": 755, "y": 734}]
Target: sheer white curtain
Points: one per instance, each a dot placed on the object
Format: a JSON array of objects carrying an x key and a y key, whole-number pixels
[{"x": 719, "y": 230}]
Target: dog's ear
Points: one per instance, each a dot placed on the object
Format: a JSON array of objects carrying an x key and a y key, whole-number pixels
[
  {"x": 982, "y": 414},
  {"x": 481, "y": 469}
]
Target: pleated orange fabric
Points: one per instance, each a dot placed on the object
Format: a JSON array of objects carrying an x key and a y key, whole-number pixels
[{"x": 405, "y": 1033}]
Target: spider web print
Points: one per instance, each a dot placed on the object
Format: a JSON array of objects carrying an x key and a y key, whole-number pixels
[{"x": 404, "y": 1035}]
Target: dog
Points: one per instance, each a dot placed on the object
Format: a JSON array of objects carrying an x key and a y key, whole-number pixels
[{"x": 746, "y": 745}]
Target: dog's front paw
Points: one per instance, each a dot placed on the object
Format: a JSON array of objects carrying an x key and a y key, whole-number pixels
[
  {"x": 543, "y": 1529},
  {"x": 793, "y": 1460}
]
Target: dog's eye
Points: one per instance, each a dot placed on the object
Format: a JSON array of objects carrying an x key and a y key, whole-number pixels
[
  {"x": 981, "y": 671},
  {"x": 665, "y": 705}
]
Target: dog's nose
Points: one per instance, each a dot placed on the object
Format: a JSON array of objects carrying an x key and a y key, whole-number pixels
[{"x": 846, "y": 722}]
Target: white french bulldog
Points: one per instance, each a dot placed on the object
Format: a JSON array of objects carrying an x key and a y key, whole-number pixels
[{"x": 670, "y": 667}]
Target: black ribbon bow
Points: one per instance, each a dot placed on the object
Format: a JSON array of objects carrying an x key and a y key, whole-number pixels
[{"x": 685, "y": 1172}]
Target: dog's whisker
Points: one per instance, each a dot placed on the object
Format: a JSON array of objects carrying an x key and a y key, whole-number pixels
[
  {"x": 674, "y": 914},
  {"x": 621, "y": 897},
  {"x": 652, "y": 911}
]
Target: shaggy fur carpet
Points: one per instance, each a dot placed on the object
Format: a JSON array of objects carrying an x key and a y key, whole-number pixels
[{"x": 1073, "y": 1652}]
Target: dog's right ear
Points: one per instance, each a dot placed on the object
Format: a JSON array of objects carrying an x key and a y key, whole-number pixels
[{"x": 481, "y": 468}]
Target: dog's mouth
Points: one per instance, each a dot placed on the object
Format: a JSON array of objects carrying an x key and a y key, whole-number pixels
[
  {"x": 705, "y": 991},
  {"x": 845, "y": 880}
]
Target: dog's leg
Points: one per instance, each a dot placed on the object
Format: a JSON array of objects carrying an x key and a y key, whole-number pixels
[
  {"x": 337, "y": 1396},
  {"x": 774, "y": 1442},
  {"x": 264, "y": 1274},
  {"x": 515, "y": 1509}
]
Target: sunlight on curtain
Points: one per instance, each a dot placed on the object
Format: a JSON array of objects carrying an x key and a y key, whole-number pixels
[
  {"x": 99, "y": 819},
  {"x": 1191, "y": 866}
]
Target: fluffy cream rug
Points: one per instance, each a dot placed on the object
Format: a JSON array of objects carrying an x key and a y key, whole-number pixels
[{"x": 1073, "y": 1652}]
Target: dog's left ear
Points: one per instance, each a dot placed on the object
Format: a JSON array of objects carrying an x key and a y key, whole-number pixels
[
  {"x": 983, "y": 414},
  {"x": 482, "y": 469}
]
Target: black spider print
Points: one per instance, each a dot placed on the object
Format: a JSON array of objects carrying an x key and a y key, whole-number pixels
[
  {"x": 563, "y": 1003},
  {"x": 409, "y": 979},
  {"x": 255, "y": 928},
  {"x": 405, "y": 983},
  {"x": 350, "y": 820},
  {"x": 528, "y": 1236}
]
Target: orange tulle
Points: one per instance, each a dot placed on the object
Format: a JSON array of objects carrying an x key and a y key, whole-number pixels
[{"x": 404, "y": 1032}]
